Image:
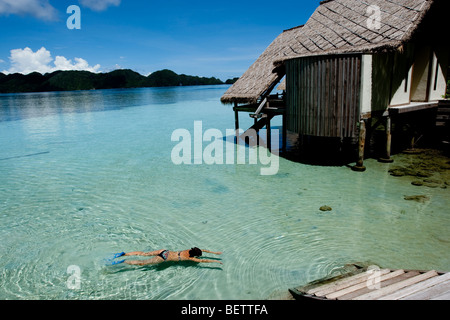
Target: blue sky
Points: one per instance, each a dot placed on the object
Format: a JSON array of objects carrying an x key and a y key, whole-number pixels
[{"x": 205, "y": 38}]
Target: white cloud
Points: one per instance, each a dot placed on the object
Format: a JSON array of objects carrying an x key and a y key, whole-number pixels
[
  {"x": 26, "y": 61},
  {"x": 99, "y": 5},
  {"x": 40, "y": 9},
  {"x": 61, "y": 63}
]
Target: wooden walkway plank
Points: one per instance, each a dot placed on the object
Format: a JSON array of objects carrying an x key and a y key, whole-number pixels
[
  {"x": 358, "y": 281},
  {"x": 362, "y": 283},
  {"x": 430, "y": 293},
  {"x": 445, "y": 296},
  {"x": 323, "y": 287},
  {"x": 396, "y": 286},
  {"x": 383, "y": 277},
  {"x": 399, "y": 278},
  {"x": 418, "y": 287},
  {"x": 323, "y": 290}
]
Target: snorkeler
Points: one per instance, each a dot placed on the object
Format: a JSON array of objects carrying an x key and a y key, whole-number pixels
[{"x": 160, "y": 256}]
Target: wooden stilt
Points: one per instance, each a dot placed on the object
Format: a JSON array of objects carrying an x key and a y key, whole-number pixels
[
  {"x": 362, "y": 141},
  {"x": 236, "y": 122},
  {"x": 257, "y": 131},
  {"x": 284, "y": 132},
  {"x": 269, "y": 135},
  {"x": 388, "y": 158}
]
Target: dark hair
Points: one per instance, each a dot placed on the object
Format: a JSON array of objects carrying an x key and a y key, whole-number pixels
[{"x": 195, "y": 252}]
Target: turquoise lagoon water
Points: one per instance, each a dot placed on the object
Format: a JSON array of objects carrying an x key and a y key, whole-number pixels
[{"x": 86, "y": 174}]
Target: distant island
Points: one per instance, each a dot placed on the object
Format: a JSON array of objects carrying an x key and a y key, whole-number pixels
[{"x": 85, "y": 80}]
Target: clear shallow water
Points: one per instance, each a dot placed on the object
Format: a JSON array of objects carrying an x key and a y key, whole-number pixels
[{"x": 86, "y": 174}]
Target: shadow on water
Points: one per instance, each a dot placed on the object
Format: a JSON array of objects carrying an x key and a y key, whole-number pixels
[
  {"x": 184, "y": 264},
  {"x": 25, "y": 156},
  {"x": 216, "y": 187},
  {"x": 417, "y": 130},
  {"x": 321, "y": 151},
  {"x": 113, "y": 269}
]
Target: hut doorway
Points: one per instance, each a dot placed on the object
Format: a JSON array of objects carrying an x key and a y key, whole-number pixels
[
  {"x": 421, "y": 75},
  {"x": 429, "y": 74}
]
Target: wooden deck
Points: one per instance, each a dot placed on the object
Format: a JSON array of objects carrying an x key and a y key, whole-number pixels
[
  {"x": 413, "y": 106},
  {"x": 366, "y": 283}
]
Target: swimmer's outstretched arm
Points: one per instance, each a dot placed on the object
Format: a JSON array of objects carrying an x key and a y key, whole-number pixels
[
  {"x": 205, "y": 260},
  {"x": 211, "y": 252}
]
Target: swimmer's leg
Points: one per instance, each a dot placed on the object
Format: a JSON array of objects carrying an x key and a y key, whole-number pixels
[
  {"x": 155, "y": 260},
  {"x": 141, "y": 253},
  {"x": 135, "y": 253}
]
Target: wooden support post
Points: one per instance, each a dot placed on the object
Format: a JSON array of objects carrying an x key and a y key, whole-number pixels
[
  {"x": 236, "y": 122},
  {"x": 388, "y": 138},
  {"x": 257, "y": 131},
  {"x": 362, "y": 141},
  {"x": 269, "y": 135},
  {"x": 388, "y": 158},
  {"x": 284, "y": 132}
]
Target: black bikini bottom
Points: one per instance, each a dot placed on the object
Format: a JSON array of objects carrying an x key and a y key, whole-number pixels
[{"x": 164, "y": 254}]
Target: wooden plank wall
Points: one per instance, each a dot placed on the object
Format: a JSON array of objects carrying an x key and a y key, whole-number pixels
[{"x": 323, "y": 95}]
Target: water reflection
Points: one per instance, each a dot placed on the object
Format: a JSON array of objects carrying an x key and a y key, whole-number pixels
[{"x": 31, "y": 105}]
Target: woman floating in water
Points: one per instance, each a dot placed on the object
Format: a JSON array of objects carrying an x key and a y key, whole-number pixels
[{"x": 160, "y": 256}]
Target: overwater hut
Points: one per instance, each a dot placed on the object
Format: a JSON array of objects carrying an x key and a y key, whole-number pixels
[{"x": 353, "y": 65}]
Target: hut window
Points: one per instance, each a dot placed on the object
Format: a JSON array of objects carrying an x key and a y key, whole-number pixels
[
  {"x": 407, "y": 70},
  {"x": 436, "y": 75},
  {"x": 406, "y": 80}
]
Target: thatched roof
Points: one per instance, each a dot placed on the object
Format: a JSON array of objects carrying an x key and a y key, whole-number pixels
[
  {"x": 260, "y": 76},
  {"x": 336, "y": 27},
  {"x": 343, "y": 26}
]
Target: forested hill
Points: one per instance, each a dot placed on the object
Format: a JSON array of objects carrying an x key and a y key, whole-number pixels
[{"x": 85, "y": 80}]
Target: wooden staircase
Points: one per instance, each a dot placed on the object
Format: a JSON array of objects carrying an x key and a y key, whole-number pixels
[
  {"x": 443, "y": 114},
  {"x": 443, "y": 124},
  {"x": 262, "y": 113},
  {"x": 252, "y": 133}
]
